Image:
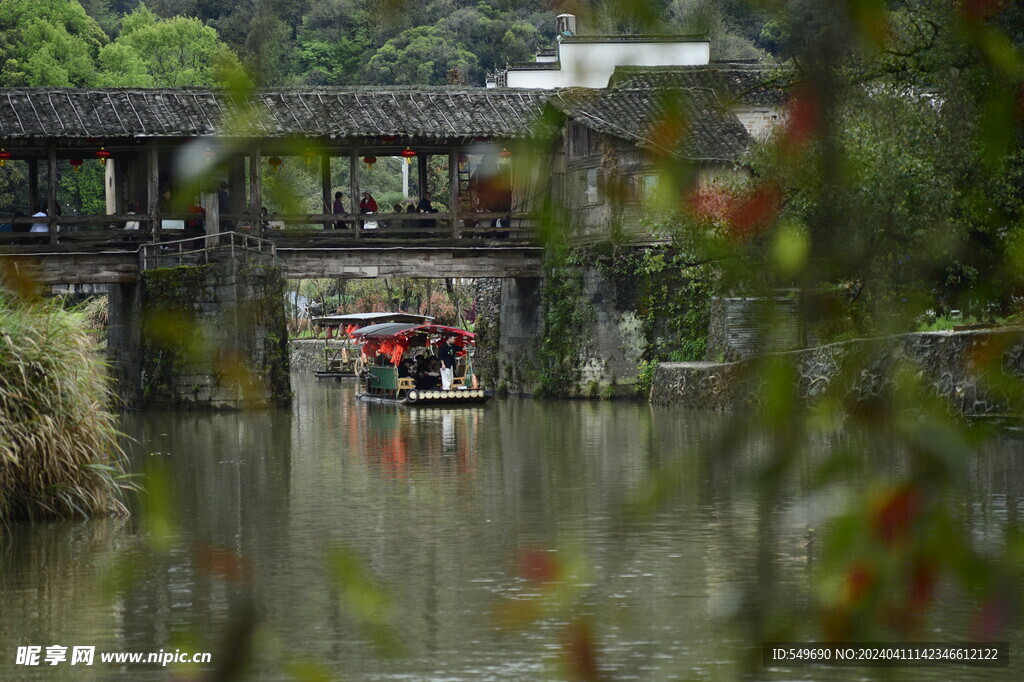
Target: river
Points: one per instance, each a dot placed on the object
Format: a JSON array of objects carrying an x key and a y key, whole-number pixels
[{"x": 370, "y": 543}]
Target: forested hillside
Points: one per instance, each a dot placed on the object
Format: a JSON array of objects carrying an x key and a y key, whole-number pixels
[{"x": 330, "y": 42}]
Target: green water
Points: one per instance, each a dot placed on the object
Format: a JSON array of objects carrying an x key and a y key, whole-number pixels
[{"x": 439, "y": 507}]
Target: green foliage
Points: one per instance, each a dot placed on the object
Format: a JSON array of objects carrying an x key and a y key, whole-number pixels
[
  {"x": 48, "y": 43},
  {"x": 567, "y": 316},
  {"x": 644, "y": 377},
  {"x": 671, "y": 296},
  {"x": 426, "y": 55},
  {"x": 154, "y": 52}
]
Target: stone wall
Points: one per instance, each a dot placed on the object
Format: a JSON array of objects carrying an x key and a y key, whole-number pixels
[
  {"x": 214, "y": 336},
  {"x": 741, "y": 328},
  {"x": 487, "y": 298},
  {"x": 963, "y": 368},
  {"x": 616, "y": 342},
  {"x": 608, "y": 350},
  {"x": 307, "y": 355}
]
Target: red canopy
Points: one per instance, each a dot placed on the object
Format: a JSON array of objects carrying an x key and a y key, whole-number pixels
[{"x": 393, "y": 339}]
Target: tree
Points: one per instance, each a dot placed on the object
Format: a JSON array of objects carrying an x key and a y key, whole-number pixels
[
  {"x": 704, "y": 17},
  {"x": 154, "y": 52},
  {"x": 48, "y": 43},
  {"x": 334, "y": 41},
  {"x": 425, "y": 55}
]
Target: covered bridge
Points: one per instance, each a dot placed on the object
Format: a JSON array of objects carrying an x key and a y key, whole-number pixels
[
  {"x": 151, "y": 140},
  {"x": 599, "y": 161}
]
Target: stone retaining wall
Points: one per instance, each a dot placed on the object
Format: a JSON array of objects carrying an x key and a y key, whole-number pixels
[
  {"x": 964, "y": 368},
  {"x": 307, "y": 355},
  {"x": 212, "y": 336}
]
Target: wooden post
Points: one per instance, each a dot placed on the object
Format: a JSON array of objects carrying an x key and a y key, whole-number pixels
[
  {"x": 453, "y": 188},
  {"x": 255, "y": 186},
  {"x": 33, "y": 186},
  {"x": 325, "y": 187},
  {"x": 236, "y": 190},
  {"x": 353, "y": 187},
  {"x": 111, "y": 189},
  {"x": 421, "y": 166},
  {"x": 51, "y": 190},
  {"x": 211, "y": 204},
  {"x": 153, "y": 189}
]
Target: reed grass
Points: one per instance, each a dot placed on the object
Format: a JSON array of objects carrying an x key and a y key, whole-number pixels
[{"x": 60, "y": 453}]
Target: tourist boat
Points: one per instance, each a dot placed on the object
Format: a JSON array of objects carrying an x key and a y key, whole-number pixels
[
  {"x": 344, "y": 359},
  {"x": 387, "y": 343}
]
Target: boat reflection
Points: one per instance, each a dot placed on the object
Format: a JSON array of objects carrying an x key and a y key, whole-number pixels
[{"x": 436, "y": 437}]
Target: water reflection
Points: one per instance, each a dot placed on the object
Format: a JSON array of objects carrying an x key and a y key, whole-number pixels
[{"x": 438, "y": 503}]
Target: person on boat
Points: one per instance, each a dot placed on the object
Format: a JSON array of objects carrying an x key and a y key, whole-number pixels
[
  {"x": 405, "y": 368},
  {"x": 427, "y": 377},
  {"x": 446, "y": 355}
]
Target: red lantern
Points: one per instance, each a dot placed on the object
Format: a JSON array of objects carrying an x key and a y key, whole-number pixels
[
  {"x": 76, "y": 164},
  {"x": 369, "y": 160},
  {"x": 4, "y": 156},
  {"x": 505, "y": 154},
  {"x": 102, "y": 154},
  {"x": 408, "y": 153},
  {"x": 274, "y": 162}
]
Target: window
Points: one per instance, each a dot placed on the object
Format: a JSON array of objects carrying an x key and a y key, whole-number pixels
[
  {"x": 582, "y": 141},
  {"x": 584, "y": 188},
  {"x": 590, "y": 193},
  {"x": 648, "y": 186}
]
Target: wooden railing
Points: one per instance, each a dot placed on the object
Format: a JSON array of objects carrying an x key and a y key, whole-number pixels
[
  {"x": 197, "y": 250},
  {"x": 129, "y": 230}
]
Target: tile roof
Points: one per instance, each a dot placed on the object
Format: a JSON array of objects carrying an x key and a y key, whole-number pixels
[
  {"x": 439, "y": 113},
  {"x": 733, "y": 82},
  {"x": 679, "y": 121}
]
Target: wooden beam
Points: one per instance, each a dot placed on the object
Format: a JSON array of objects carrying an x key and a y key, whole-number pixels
[
  {"x": 421, "y": 166},
  {"x": 353, "y": 187},
  {"x": 453, "y": 188},
  {"x": 33, "y": 186},
  {"x": 153, "y": 189},
  {"x": 51, "y": 190},
  {"x": 237, "y": 202},
  {"x": 325, "y": 186},
  {"x": 256, "y": 184}
]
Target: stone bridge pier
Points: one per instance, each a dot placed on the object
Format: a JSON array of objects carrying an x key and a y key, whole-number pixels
[{"x": 209, "y": 335}]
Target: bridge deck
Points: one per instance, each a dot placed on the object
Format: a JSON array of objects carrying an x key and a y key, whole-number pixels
[{"x": 111, "y": 256}]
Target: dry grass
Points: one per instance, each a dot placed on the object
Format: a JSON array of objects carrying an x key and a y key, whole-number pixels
[{"x": 59, "y": 451}]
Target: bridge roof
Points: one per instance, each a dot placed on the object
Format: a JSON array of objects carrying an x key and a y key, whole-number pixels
[{"x": 425, "y": 112}]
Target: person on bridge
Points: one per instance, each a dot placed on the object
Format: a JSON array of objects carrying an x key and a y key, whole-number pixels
[
  {"x": 425, "y": 206},
  {"x": 367, "y": 204},
  {"x": 338, "y": 208},
  {"x": 41, "y": 226}
]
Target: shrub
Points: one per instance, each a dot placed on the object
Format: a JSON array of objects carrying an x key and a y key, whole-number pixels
[{"x": 59, "y": 451}]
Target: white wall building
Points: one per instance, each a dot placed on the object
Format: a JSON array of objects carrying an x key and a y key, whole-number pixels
[{"x": 589, "y": 61}]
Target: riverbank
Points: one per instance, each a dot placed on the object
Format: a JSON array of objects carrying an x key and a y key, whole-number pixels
[{"x": 968, "y": 369}]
